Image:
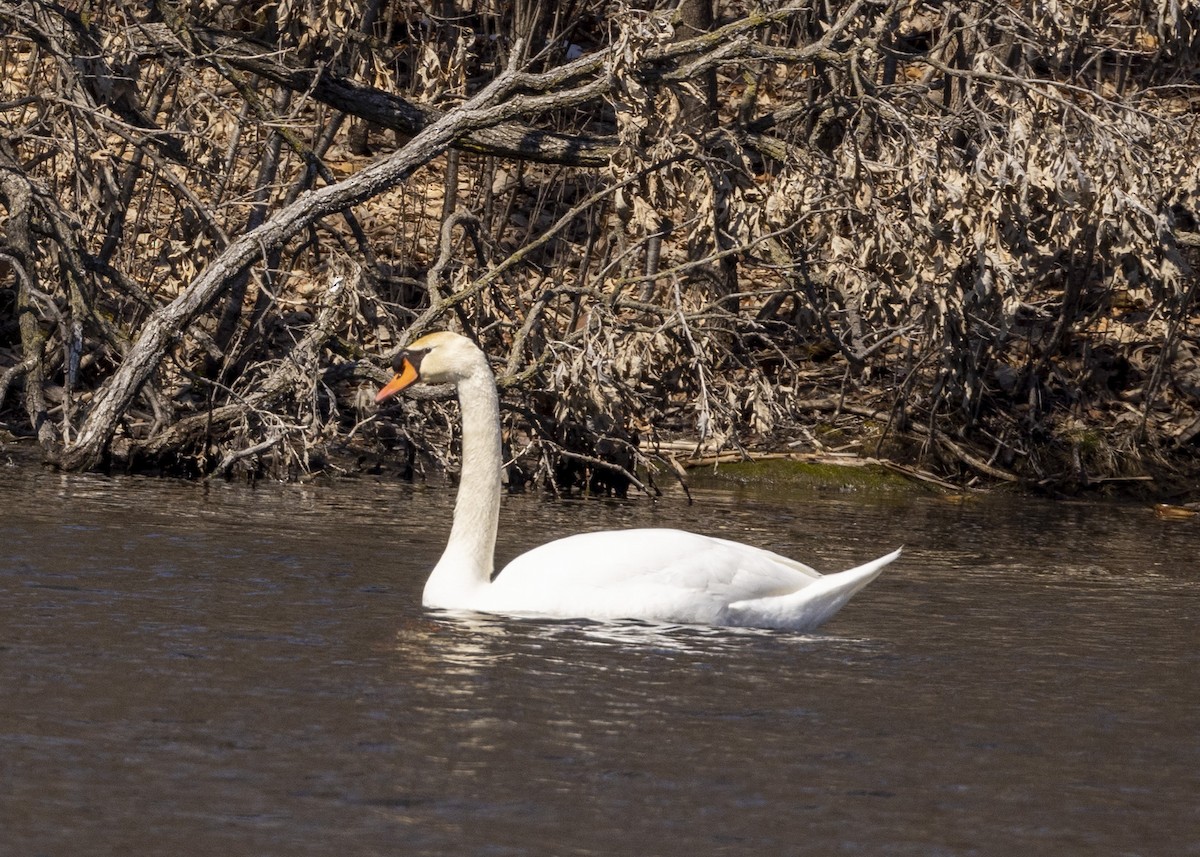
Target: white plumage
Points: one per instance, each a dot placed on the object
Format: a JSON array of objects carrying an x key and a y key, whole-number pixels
[{"x": 656, "y": 575}]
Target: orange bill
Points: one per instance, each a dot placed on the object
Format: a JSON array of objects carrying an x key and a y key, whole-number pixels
[{"x": 403, "y": 379}]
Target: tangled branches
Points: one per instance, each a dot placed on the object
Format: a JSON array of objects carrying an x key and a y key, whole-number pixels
[{"x": 930, "y": 232}]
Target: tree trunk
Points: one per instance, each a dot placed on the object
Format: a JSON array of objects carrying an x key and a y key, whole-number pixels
[
  {"x": 18, "y": 247},
  {"x": 699, "y": 102}
]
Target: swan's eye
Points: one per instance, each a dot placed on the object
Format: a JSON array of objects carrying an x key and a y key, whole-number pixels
[{"x": 413, "y": 358}]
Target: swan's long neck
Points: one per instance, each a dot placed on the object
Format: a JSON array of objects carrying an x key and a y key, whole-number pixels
[{"x": 466, "y": 564}]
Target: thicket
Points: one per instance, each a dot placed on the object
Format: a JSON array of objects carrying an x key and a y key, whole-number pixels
[{"x": 960, "y": 235}]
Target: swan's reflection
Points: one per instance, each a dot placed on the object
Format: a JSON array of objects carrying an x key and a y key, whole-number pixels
[
  {"x": 461, "y": 641},
  {"x": 561, "y": 689}
]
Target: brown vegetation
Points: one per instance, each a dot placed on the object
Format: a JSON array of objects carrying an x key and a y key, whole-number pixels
[{"x": 959, "y": 236}]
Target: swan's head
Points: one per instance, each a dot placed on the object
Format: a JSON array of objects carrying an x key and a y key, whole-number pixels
[{"x": 439, "y": 358}]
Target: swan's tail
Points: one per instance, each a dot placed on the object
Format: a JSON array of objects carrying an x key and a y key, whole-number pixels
[{"x": 811, "y": 605}]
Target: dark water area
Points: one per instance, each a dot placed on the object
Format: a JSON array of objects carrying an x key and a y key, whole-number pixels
[{"x": 218, "y": 669}]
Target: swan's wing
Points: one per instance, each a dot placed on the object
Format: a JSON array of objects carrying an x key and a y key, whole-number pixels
[
  {"x": 663, "y": 575},
  {"x": 810, "y": 606}
]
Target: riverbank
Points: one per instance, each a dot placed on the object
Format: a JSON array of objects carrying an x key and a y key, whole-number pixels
[{"x": 661, "y": 467}]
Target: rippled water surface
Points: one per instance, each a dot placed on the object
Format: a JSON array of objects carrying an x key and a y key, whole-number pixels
[{"x": 194, "y": 670}]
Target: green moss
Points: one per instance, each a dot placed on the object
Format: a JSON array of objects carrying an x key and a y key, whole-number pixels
[{"x": 808, "y": 474}]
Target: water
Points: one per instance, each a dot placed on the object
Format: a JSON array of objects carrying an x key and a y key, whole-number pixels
[{"x": 195, "y": 670}]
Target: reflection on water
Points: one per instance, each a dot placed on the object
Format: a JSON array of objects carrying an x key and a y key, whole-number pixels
[
  {"x": 212, "y": 669},
  {"x": 453, "y": 641}
]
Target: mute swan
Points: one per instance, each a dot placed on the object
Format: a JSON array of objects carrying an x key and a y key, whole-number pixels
[{"x": 656, "y": 575}]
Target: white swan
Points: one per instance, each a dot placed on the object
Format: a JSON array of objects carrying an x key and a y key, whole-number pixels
[{"x": 655, "y": 575}]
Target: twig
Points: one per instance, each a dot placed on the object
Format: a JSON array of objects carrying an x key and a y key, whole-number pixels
[
  {"x": 599, "y": 462},
  {"x": 232, "y": 458}
]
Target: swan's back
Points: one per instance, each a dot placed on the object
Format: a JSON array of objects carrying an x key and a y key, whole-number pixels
[{"x": 655, "y": 574}]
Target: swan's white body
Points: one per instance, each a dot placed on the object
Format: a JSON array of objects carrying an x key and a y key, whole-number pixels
[{"x": 654, "y": 575}]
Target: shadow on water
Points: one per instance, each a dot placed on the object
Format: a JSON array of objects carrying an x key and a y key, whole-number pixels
[{"x": 213, "y": 669}]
